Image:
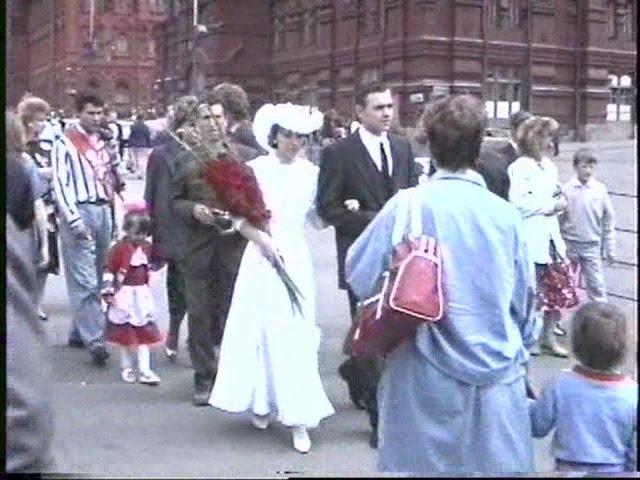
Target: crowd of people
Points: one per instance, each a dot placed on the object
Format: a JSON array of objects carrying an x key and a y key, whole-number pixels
[{"x": 457, "y": 397}]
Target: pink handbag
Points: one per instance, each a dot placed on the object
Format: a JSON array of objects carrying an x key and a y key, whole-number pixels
[{"x": 411, "y": 294}]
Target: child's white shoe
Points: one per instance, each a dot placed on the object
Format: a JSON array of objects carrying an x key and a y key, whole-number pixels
[
  {"x": 261, "y": 422},
  {"x": 149, "y": 378},
  {"x": 301, "y": 440},
  {"x": 128, "y": 375}
]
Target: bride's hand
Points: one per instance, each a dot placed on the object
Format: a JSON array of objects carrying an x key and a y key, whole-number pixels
[{"x": 268, "y": 248}]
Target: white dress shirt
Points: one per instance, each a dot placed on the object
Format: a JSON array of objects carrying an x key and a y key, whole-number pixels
[
  {"x": 531, "y": 191},
  {"x": 372, "y": 144},
  {"x": 589, "y": 216}
]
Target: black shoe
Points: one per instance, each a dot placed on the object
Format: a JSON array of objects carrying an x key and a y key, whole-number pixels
[
  {"x": 75, "y": 343},
  {"x": 356, "y": 392},
  {"x": 201, "y": 395},
  {"x": 99, "y": 354},
  {"x": 373, "y": 439}
]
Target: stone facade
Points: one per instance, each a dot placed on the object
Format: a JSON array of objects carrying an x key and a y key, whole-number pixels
[
  {"x": 51, "y": 55},
  {"x": 556, "y": 60}
]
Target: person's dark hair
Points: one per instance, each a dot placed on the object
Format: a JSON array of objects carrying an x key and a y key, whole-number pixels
[
  {"x": 140, "y": 117},
  {"x": 599, "y": 336},
  {"x": 137, "y": 221},
  {"x": 185, "y": 110},
  {"x": 233, "y": 99},
  {"x": 454, "y": 126},
  {"x": 272, "y": 138},
  {"x": 584, "y": 155},
  {"x": 363, "y": 93},
  {"x": 517, "y": 118},
  {"x": 85, "y": 98},
  {"x": 331, "y": 121}
]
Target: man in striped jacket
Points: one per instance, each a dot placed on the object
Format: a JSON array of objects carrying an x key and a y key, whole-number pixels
[{"x": 85, "y": 181}]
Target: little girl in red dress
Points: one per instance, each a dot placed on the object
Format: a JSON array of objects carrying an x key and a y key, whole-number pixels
[{"x": 130, "y": 319}]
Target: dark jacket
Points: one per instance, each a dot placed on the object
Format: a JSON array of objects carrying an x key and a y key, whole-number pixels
[
  {"x": 19, "y": 193},
  {"x": 140, "y": 136},
  {"x": 348, "y": 172},
  {"x": 243, "y": 135},
  {"x": 493, "y": 164},
  {"x": 168, "y": 230},
  {"x": 188, "y": 189}
]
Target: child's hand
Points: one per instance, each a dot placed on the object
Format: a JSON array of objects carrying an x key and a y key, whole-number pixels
[{"x": 108, "y": 298}]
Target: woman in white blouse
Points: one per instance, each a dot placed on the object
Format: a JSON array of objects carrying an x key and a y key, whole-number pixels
[{"x": 535, "y": 191}]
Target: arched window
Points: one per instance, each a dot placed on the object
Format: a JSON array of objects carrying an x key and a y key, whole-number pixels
[
  {"x": 122, "y": 45},
  {"x": 122, "y": 94}
]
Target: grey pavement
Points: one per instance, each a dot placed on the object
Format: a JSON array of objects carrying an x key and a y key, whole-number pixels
[{"x": 105, "y": 427}]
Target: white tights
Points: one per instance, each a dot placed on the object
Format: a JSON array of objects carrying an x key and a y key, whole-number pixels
[{"x": 128, "y": 357}]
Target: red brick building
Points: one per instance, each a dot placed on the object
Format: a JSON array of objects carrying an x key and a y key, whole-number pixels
[
  {"x": 572, "y": 59},
  {"x": 50, "y": 53}
]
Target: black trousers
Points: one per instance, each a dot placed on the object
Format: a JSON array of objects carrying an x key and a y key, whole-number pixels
[
  {"x": 208, "y": 295},
  {"x": 176, "y": 295},
  {"x": 364, "y": 373}
]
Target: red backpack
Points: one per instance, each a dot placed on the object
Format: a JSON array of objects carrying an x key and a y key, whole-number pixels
[{"x": 411, "y": 294}]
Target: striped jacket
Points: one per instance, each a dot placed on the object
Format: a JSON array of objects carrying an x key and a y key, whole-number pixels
[{"x": 75, "y": 181}]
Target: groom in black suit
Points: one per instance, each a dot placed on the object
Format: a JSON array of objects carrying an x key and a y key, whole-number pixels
[{"x": 358, "y": 174}]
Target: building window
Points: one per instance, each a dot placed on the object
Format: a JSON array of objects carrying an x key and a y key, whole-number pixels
[
  {"x": 508, "y": 14},
  {"x": 620, "y": 98},
  {"x": 122, "y": 94},
  {"x": 125, "y": 6},
  {"x": 310, "y": 27},
  {"x": 504, "y": 92},
  {"x": 278, "y": 34},
  {"x": 157, "y": 6},
  {"x": 620, "y": 24},
  {"x": 151, "y": 48},
  {"x": 99, "y": 6},
  {"x": 122, "y": 45}
]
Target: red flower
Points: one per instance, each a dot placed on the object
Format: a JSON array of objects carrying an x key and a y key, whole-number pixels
[{"x": 237, "y": 189}]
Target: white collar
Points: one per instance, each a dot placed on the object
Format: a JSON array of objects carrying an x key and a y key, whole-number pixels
[
  {"x": 369, "y": 138},
  {"x": 577, "y": 183}
]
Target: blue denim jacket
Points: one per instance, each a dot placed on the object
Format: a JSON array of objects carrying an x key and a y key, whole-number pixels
[{"x": 489, "y": 325}]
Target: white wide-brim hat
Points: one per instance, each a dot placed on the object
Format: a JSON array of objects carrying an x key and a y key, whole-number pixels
[{"x": 302, "y": 119}]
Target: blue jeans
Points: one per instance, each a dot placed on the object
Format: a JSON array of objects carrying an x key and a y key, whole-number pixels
[{"x": 83, "y": 265}]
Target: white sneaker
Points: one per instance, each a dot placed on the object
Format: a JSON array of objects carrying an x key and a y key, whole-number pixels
[
  {"x": 261, "y": 422},
  {"x": 301, "y": 440},
  {"x": 149, "y": 378},
  {"x": 128, "y": 375}
]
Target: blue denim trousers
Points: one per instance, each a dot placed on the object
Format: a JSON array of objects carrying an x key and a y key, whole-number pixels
[{"x": 83, "y": 265}]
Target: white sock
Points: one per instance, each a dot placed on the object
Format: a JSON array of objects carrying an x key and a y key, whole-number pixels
[
  {"x": 126, "y": 358},
  {"x": 144, "y": 358}
]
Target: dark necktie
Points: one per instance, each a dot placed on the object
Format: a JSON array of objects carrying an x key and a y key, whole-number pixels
[{"x": 385, "y": 172}]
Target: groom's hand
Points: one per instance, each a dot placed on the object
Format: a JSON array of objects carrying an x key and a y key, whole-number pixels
[{"x": 204, "y": 214}]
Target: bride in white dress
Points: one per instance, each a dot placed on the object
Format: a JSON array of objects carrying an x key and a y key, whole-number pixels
[{"x": 269, "y": 353}]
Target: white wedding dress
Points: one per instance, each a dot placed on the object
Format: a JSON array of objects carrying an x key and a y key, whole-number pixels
[{"x": 269, "y": 354}]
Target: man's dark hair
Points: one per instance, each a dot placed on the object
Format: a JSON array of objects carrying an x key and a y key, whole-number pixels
[
  {"x": 85, "y": 98},
  {"x": 363, "y": 93},
  {"x": 454, "y": 126},
  {"x": 584, "y": 155},
  {"x": 599, "y": 335},
  {"x": 140, "y": 117},
  {"x": 233, "y": 99},
  {"x": 517, "y": 118}
]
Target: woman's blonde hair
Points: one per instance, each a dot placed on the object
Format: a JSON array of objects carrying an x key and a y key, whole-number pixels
[
  {"x": 14, "y": 134},
  {"x": 531, "y": 135},
  {"x": 29, "y": 107}
]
